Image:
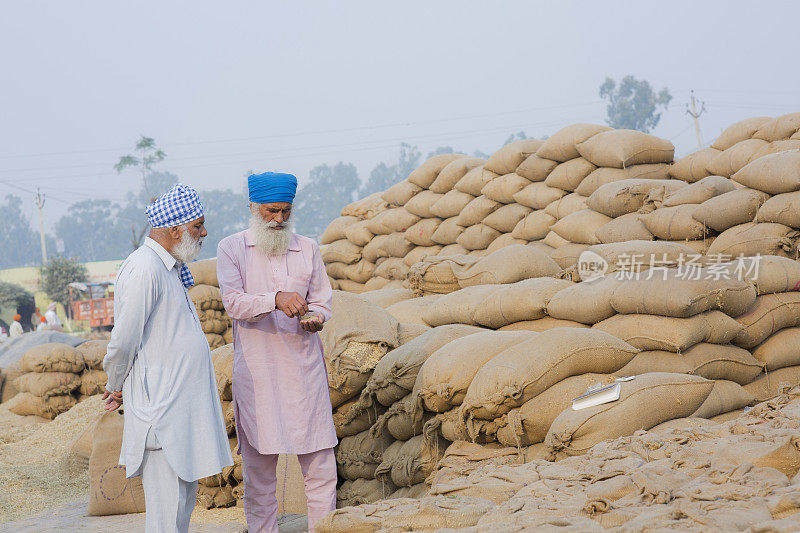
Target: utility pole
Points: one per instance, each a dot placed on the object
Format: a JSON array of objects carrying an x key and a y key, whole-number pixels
[
  {"x": 40, "y": 204},
  {"x": 695, "y": 115}
]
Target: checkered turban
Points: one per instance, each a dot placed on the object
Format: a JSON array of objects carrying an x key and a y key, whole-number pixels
[{"x": 179, "y": 205}]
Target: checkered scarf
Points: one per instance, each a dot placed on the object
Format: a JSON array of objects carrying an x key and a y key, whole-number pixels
[{"x": 179, "y": 205}]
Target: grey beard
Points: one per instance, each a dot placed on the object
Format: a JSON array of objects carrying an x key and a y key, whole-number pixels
[
  {"x": 188, "y": 248},
  {"x": 274, "y": 242}
]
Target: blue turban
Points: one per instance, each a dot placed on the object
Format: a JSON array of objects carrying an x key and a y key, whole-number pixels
[{"x": 271, "y": 187}]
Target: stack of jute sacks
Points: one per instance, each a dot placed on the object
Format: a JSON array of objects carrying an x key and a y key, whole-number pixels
[{"x": 207, "y": 298}]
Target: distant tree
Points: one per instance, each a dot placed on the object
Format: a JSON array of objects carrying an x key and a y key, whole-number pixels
[
  {"x": 19, "y": 244},
  {"x": 384, "y": 176},
  {"x": 482, "y": 155},
  {"x": 633, "y": 104},
  {"x": 322, "y": 196},
  {"x": 226, "y": 212},
  {"x": 519, "y": 136},
  {"x": 441, "y": 150},
  {"x": 92, "y": 231},
  {"x": 58, "y": 273},
  {"x": 131, "y": 216},
  {"x": 14, "y": 297}
]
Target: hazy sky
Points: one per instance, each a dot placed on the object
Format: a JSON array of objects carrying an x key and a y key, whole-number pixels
[{"x": 225, "y": 87}]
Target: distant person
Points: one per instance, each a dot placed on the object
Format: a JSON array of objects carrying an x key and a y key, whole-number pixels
[
  {"x": 51, "y": 316},
  {"x": 36, "y": 318},
  {"x": 42, "y": 324},
  {"x": 159, "y": 361},
  {"x": 15, "y": 330},
  {"x": 275, "y": 288}
]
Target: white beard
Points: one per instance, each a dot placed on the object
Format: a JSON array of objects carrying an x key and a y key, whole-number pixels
[
  {"x": 271, "y": 241},
  {"x": 188, "y": 248}
]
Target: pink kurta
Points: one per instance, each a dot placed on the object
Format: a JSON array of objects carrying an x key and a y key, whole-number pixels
[{"x": 280, "y": 386}]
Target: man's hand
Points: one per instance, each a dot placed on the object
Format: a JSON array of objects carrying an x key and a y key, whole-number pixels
[
  {"x": 113, "y": 400},
  {"x": 291, "y": 303},
  {"x": 312, "y": 324}
]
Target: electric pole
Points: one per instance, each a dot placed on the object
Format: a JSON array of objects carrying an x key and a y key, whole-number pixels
[
  {"x": 695, "y": 115},
  {"x": 40, "y": 204}
]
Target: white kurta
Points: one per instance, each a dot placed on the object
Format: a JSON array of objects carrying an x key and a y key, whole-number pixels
[{"x": 159, "y": 357}]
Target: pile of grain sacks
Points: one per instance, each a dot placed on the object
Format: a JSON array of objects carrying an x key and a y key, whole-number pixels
[{"x": 207, "y": 299}]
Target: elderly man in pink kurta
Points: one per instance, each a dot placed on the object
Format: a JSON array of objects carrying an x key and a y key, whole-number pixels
[{"x": 275, "y": 288}]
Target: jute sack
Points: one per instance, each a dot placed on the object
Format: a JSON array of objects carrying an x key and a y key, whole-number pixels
[
  {"x": 536, "y": 168},
  {"x": 781, "y": 454},
  {"x": 448, "y": 232},
  {"x": 359, "y": 272},
  {"x": 674, "y": 223},
  {"x": 781, "y": 209},
  {"x": 52, "y": 357},
  {"x": 450, "y": 426},
  {"x": 768, "y": 314},
  {"x": 623, "y": 228},
  {"x": 372, "y": 250},
  {"x": 474, "y": 180},
  {"x": 458, "y": 307},
  {"x": 93, "y": 382},
  {"x": 420, "y": 490},
  {"x": 542, "y": 324},
  {"x": 774, "y": 174},
  {"x": 567, "y": 256},
  {"x": 422, "y": 202},
  {"x": 752, "y": 239},
  {"x": 359, "y": 455},
  {"x": 25, "y": 404},
  {"x": 341, "y": 251},
  {"x": 769, "y": 384},
  {"x": 365, "y": 208},
  {"x": 569, "y": 175},
  {"x": 229, "y": 417},
  {"x": 502, "y": 241},
  {"x": 386, "y": 297},
  {"x": 425, "y": 174},
  {"x": 644, "y": 402},
  {"x": 452, "y": 173},
  {"x": 361, "y": 491},
  {"x": 451, "y": 204},
  {"x": 358, "y": 233},
  {"x": 477, "y": 237},
  {"x": 503, "y": 188},
  {"x": 710, "y": 361},
  {"x": 420, "y": 233},
  {"x": 542, "y": 247},
  {"x": 781, "y": 349},
  {"x": 536, "y": 225},
  {"x": 425, "y": 514},
  {"x": 730, "y": 161},
  {"x": 604, "y": 175},
  {"x": 699, "y": 192},
  {"x": 509, "y": 157},
  {"x": 726, "y": 396},
  {"x": 47, "y": 384},
  {"x": 623, "y": 148},
  {"x": 436, "y": 274},
  {"x": 667, "y": 293},
  {"x": 446, "y": 374},
  {"x": 692, "y": 168},
  {"x": 529, "y": 424},
  {"x": 396, "y": 373},
  {"x": 587, "y": 302},
  {"x": 524, "y": 300},
  {"x": 215, "y": 497},
  {"x": 654, "y": 332},
  {"x": 505, "y": 218},
  {"x": 738, "y": 131},
  {"x": 561, "y": 146},
  {"x": 215, "y": 340},
  {"x": 566, "y": 205},
  {"x": 779, "y": 128},
  {"x": 223, "y": 370},
  {"x": 410, "y": 311},
  {"x": 204, "y": 271},
  {"x": 476, "y": 211},
  {"x": 410, "y": 462},
  {"x": 348, "y": 423},
  {"x": 394, "y": 245},
  {"x": 507, "y": 265},
  {"x": 777, "y": 146},
  {"x": 769, "y": 273},
  {"x": 109, "y": 491},
  {"x": 538, "y": 195},
  {"x": 336, "y": 229},
  {"x": 730, "y": 209},
  {"x": 627, "y": 196},
  {"x": 357, "y": 336},
  {"x": 401, "y": 421},
  {"x": 513, "y": 377},
  {"x": 374, "y": 284},
  {"x": 579, "y": 227},
  {"x": 392, "y": 221},
  {"x": 408, "y": 332},
  {"x": 335, "y": 270},
  {"x": 398, "y": 194}
]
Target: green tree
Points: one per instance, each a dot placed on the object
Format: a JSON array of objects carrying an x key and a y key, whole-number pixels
[
  {"x": 441, "y": 150},
  {"x": 321, "y": 198},
  {"x": 384, "y": 176},
  {"x": 519, "y": 136},
  {"x": 146, "y": 154},
  {"x": 14, "y": 297},
  {"x": 633, "y": 104},
  {"x": 18, "y": 242},
  {"x": 58, "y": 273},
  {"x": 92, "y": 231}
]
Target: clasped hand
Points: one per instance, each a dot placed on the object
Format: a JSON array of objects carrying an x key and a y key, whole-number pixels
[{"x": 294, "y": 306}]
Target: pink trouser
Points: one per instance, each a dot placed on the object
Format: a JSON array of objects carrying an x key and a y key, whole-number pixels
[{"x": 260, "y": 483}]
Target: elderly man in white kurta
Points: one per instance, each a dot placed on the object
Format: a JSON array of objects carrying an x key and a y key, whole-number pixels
[
  {"x": 275, "y": 288},
  {"x": 159, "y": 361}
]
